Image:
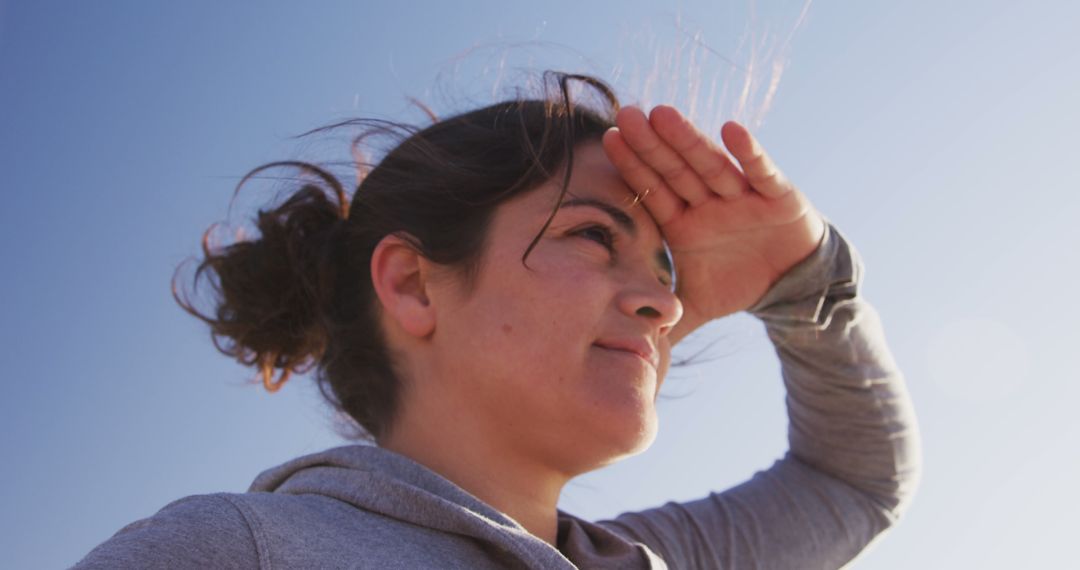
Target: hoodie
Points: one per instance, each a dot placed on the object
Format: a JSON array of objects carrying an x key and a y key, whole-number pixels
[{"x": 851, "y": 470}]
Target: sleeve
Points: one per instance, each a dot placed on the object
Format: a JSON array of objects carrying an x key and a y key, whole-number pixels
[
  {"x": 201, "y": 531},
  {"x": 854, "y": 458}
]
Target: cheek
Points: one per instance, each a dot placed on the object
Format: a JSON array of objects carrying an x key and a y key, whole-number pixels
[
  {"x": 563, "y": 301},
  {"x": 534, "y": 327}
]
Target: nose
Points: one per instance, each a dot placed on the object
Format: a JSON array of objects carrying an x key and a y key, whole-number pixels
[{"x": 653, "y": 301}]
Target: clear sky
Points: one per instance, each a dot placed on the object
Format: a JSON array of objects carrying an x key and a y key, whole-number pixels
[{"x": 936, "y": 135}]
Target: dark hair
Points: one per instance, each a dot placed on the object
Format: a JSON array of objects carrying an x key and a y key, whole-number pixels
[{"x": 300, "y": 295}]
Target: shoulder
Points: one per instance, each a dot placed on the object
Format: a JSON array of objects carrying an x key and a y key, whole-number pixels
[
  {"x": 196, "y": 531},
  {"x": 264, "y": 530}
]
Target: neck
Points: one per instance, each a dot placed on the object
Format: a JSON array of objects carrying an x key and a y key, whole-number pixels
[{"x": 470, "y": 454}]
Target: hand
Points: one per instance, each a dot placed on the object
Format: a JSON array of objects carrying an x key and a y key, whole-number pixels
[{"x": 732, "y": 233}]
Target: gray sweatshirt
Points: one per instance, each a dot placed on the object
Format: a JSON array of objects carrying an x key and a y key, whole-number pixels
[{"x": 852, "y": 467}]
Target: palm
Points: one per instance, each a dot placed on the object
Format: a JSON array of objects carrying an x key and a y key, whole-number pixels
[
  {"x": 728, "y": 255},
  {"x": 732, "y": 232}
]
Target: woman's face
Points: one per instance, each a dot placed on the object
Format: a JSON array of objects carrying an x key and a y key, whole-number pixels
[{"x": 562, "y": 358}]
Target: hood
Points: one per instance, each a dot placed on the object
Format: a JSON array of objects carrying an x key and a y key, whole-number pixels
[{"x": 384, "y": 482}]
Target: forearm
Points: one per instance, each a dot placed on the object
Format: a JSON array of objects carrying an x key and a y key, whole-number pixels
[
  {"x": 850, "y": 415},
  {"x": 854, "y": 458}
]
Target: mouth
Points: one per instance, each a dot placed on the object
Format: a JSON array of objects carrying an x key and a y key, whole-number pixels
[{"x": 639, "y": 348}]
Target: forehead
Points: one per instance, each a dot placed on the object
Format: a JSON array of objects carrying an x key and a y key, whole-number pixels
[
  {"x": 595, "y": 189},
  {"x": 595, "y": 180}
]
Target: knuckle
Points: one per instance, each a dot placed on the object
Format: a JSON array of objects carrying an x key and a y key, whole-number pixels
[
  {"x": 687, "y": 145},
  {"x": 674, "y": 171},
  {"x": 713, "y": 173}
]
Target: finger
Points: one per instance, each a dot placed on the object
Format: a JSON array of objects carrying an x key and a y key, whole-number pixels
[
  {"x": 639, "y": 134},
  {"x": 707, "y": 159},
  {"x": 759, "y": 169},
  {"x": 662, "y": 204}
]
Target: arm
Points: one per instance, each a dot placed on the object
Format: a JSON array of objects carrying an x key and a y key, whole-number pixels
[
  {"x": 747, "y": 239},
  {"x": 854, "y": 458},
  {"x": 850, "y": 414}
]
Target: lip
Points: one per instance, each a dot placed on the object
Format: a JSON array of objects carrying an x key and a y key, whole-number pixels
[{"x": 637, "y": 346}]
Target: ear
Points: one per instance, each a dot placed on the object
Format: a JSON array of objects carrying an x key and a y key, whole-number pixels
[{"x": 400, "y": 276}]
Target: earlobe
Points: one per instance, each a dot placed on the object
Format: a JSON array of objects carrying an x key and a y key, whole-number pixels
[{"x": 400, "y": 278}]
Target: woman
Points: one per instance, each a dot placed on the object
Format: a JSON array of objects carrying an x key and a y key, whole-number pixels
[{"x": 496, "y": 311}]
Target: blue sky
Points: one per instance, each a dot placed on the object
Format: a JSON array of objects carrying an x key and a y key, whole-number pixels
[{"x": 936, "y": 135}]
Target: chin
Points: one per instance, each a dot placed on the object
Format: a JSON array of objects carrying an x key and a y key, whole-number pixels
[
  {"x": 634, "y": 436},
  {"x": 645, "y": 436},
  {"x": 608, "y": 428}
]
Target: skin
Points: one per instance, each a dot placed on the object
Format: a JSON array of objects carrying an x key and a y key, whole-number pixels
[{"x": 532, "y": 375}]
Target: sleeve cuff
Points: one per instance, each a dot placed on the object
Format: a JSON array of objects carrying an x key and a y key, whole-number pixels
[{"x": 810, "y": 291}]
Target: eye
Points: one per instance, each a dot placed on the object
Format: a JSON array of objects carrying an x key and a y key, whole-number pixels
[{"x": 600, "y": 234}]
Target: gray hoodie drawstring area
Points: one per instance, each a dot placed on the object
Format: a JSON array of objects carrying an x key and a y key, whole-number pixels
[{"x": 853, "y": 467}]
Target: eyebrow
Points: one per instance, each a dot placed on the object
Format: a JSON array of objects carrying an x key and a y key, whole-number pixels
[{"x": 624, "y": 221}]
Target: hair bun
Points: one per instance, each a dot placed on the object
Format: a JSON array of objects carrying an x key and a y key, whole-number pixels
[{"x": 269, "y": 292}]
